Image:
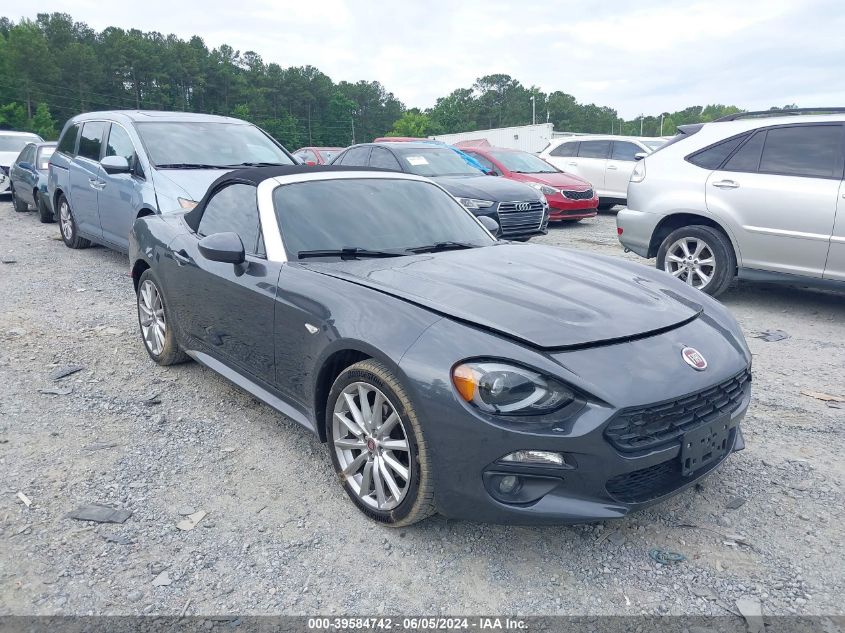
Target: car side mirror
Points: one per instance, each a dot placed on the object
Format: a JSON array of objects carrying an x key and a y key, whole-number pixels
[
  {"x": 489, "y": 223},
  {"x": 223, "y": 247},
  {"x": 115, "y": 165},
  {"x": 640, "y": 155}
]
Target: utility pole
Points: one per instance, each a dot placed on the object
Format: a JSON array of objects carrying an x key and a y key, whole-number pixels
[
  {"x": 533, "y": 110},
  {"x": 661, "y": 123},
  {"x": 641, "y": 124},
  {"x": 352, "y": 120}
]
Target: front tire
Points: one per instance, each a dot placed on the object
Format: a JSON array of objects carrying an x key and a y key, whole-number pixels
[
  {"x": 154, "y": 320},
  {"x": 700, "y": 256},
  {"x": 67, "y": 224},
  {"x": 20, "y": 205},
  {"x": 377, "y": 446}
]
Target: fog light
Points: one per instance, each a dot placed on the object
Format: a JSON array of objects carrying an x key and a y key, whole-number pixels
[
  {"x": 542, "y": 458},
  {"x": 508, "y": 484}
]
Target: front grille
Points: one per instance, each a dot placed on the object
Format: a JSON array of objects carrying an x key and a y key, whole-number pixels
[
  {"x": 513, "y": 219},
  {"x": 655, "y": 481},
  {"x": 662, "y": 424},
  {"x": 578, "y": 195}
]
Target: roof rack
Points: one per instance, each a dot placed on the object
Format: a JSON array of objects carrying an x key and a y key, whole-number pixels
[{"x": 791, "y": 111}]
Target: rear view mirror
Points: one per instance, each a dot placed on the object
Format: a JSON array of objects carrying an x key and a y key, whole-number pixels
[
  {"x": 115, "y": 165},
  {"x": 489, "y": 223},
  {"x": 223, "y": 247},
  {"x": 640, "y": 155}
]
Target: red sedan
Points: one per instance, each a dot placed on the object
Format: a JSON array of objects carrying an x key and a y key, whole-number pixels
[
  {"x": 570, "y": 197},
  {"x": 317, "y": 155}
]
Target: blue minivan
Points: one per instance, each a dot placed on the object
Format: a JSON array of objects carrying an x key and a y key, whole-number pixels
[{"x": 110, "y": 168}]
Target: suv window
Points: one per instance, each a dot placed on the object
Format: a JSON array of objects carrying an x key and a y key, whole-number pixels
[
  {"x": 91, "y": 139},
  {"x": 68, "y": 141},
  {"x": 806, "y": 150},
  {"x": 713, "y": 156},
  {"x": 120, "y": 144},
  {"x": 565, "y": 149},
  {"x": 235, "y": 208},
  {"x": 384, "y": 159},
  {"x": 357, "y": 156},
  {"x": 594, "y": 149},
  {"x": 623, "y": 150},
  {"x": 747, "y": 157}
]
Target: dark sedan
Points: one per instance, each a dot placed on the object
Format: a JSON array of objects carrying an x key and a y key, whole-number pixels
[
  {"x": 448, "y": 371},
  {"x": 520, "y": 211},
  {"x": 28, "y": 179}
]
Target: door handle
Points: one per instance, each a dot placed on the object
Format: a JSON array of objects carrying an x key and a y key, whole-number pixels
[
  {"x": 726, "y": 184},
  {"x": 573, "y": 164},
  {"x": 97, "y": 184},
  {"x": 181, "y": 257},
  {"x": 614, "y": 167}
]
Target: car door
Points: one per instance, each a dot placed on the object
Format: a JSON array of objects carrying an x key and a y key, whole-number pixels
[
  {"x": 591, "y": 164},
  {"x": 120, "y": 196},
  {"x": 227, "y": 308},
  {"x": 835, "y": 267},
  {"x": 85, "y": 178},
  {"x": 619, "y": 167},
  {"x": 779, "y": 189},
  {"x": 22, "y": 174}
]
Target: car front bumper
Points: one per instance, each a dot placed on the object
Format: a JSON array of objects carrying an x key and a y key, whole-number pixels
[
  {"x": 599, "y": 481},
  {"x": 561, "y": 208}
]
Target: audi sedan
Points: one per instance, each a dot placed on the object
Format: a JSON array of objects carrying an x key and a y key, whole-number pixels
[{"x": 447, "y": 371}]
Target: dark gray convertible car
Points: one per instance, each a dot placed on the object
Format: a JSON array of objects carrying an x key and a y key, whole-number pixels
[{"x": 448, "y": 371}]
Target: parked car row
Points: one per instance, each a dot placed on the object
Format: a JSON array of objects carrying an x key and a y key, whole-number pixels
[
  {"x": 11, "y": 145},
  {"x": 756, "y": 195},
  {"x": 372, "y": 302}
]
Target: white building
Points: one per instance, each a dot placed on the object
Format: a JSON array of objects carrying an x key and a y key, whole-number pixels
[{"x": 529, "y": 138}]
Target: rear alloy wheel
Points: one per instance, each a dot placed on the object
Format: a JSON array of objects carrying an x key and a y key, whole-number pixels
[
  {"x": 159, "y": 339},
  {"x": 67, "y": 223},
  {"x": 700, "y": 256},
  {"x": 377, "y": 446},
  {"x": 20, "y": 205}
]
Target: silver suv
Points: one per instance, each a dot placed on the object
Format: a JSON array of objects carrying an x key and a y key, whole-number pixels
[{"x": 753, "y": 195}]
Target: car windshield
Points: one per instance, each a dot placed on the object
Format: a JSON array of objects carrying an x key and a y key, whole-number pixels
[
  {"x": 653, "y": 145},
  {"x": 202, "y": 143},
  {"x": 328, "y": 154},
  {"x": 382, "y": 214},
  {"x": 434, "y": 161},
  {"x": 523, "y": 162},
  {"x": 16, "y": 142}
]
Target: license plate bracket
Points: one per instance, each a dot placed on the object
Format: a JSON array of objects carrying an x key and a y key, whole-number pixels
[{"x": 703, "y": 446}]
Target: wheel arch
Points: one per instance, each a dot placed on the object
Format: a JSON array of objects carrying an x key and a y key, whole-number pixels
[
  {"x": 144, "y": 212},
  {"x": 138, "y": 269},
  {"x": 58, "y": 193},
  {"x": 681, "y": 219}
]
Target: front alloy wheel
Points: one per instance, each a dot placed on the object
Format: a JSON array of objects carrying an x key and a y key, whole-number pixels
[
  {"x": 155, "y": 322},
  {"x": 377, "y": 445},
  {"x": 691, "y": 260}
]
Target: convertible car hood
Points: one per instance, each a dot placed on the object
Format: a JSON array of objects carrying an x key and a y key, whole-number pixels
[{"x": 544, "y": 296}]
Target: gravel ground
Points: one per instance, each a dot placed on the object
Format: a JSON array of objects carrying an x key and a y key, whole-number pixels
[{"x": 280, "y": 536}]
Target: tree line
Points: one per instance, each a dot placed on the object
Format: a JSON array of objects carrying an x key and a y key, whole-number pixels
[{"x": 53, "y": 67}]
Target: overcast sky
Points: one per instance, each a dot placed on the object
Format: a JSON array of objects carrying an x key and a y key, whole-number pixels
[{"x": 642, "y": 56}]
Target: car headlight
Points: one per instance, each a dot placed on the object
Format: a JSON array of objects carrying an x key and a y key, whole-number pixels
[
  {"x": 505, "y": 389},
  {"x": 473, "y": 203},
  {"x": 544, "y": 189},
  {"x": 638, "y": 175},
  {"x": 187, "y": 204}
]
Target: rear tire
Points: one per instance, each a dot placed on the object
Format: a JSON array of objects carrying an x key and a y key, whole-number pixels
[
  {"x": 67, "y": 225},
  {"x": 377, "y": 448},
  {"x": 699, "y": 255},
  {"x": 156, "y": 323},
  {"x": 44, "y": 214},
  {"x": 20, "y": 205}
]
